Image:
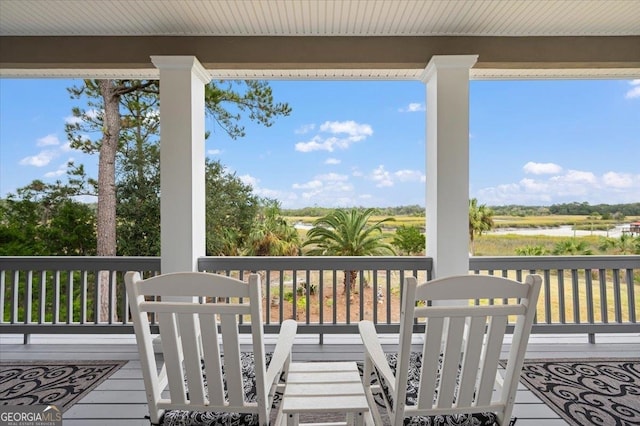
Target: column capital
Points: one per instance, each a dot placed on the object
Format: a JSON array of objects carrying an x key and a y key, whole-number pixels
[
  {"x": 438, "y": 62},
  {"x": 182, "y": 62}
]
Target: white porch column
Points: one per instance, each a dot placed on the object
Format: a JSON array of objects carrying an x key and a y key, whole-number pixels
[
  {"x": 182, "y": 159},
  {"x": 447, "y": 79}
]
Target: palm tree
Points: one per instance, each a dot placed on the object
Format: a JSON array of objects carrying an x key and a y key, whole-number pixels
[
  {"x": 348, "y": 233},
  {"x": 572, "y": 247},
  {"x": 536, "y": 250},
  {"x": 626, "y": 244},
  {"x": 480, "y": 220},
  {"x": 272, "y": 235}
]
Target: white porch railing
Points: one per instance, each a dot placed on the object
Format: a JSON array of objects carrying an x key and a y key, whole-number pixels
[{"x": 581, "y": 294}]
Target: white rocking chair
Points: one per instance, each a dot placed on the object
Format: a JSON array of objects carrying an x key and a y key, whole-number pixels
[
  {"x": 451, "y": 380},
  {"x": 209, "y": 380}
]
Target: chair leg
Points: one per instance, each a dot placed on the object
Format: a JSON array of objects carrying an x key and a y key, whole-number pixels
[{"x": 293, "y": 419}]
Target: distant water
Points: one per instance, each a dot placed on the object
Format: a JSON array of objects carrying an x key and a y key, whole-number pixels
[{"x": 560, "y": 231}]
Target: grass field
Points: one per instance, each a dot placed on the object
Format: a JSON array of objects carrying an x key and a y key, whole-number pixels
[{"x": 504, "y": 245}]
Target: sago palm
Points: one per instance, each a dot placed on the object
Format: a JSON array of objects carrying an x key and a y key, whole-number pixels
[
  {"x": 348, "y": 233},
  {"x": 272, "y": 235}
]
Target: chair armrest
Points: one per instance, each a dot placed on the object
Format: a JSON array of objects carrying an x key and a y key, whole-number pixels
[
  {"x": 374, "y": 352},
  {"x": 282, "y": 351}
]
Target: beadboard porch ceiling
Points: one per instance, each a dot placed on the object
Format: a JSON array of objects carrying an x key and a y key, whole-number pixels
[{"x": 388, "y": 39}]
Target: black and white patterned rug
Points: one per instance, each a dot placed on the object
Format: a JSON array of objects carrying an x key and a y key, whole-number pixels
[
  {"x": 59, "y": 383},
  {"x": 587, "y": 391}
]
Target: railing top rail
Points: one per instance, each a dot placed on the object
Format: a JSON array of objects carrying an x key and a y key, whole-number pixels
[
  {"x": 316, "y": 262},
  {"x": 555, "y": 262},
  {"x": 86, "y": 263}
]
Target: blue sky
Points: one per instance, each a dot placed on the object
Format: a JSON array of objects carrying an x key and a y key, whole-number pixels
[{"x": 352, "y": 143}]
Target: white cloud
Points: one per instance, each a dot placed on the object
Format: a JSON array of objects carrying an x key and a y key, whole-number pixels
[
  {"x": 634, "y": 92},
  {"x": 48, "y": 140},
  {"x": 413, "y": 107},
  {"x": 351, "y": 128},
  {"x": 541, "y": 168},
  {"x": 61, "y": 171},
  {"x": 39, "y": 160},
  {"x": 572, "y": 185},
  {"x": 382, "y": 177},
  {"x": 576, "y": 176},
  {"x": 332, "y": 161},
  {"x": 264, "y": 192},
  {"x": 214, "y": 152},
  {"x": 249, "y": 180},
  {"x": 312, "y": 184},
  {"x": 409, "y": 176},
  {"x": 341, "y": 135},
  {"x": 618, "y": 180},
  {"x": 331, "y": 189},
  {"x": 91, "y": 113},
  {"x": 72, "y": 120},
  {"x": 305, "y": 128},
  {"x": 385, "y": 178}
]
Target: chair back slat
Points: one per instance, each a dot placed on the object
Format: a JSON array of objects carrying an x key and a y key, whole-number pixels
[
  {"x": 172, "y": 351},
  {"x": 493, "y": 345},
  {"x": 211, "y": 355},
  {"x": 474, "y": 336},
  {"x": 232, "y": 363},
  {"x": 450, "y": 362},
  {"x": 430, "y": 362},
  {"x": 189, "y": 330}
]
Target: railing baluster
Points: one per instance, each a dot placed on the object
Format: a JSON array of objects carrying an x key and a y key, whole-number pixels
[
  {"x": 604, "y": 306},
  {"x": 83, "y": 298},
  {"x": 267, "y": 297},
  {"x": 347, "y": 298},
  {"x": 69, "y": 297},
  {"x": 56, "y": 297},
  {"x": 389, "y": 298},
  {"x": 281, "y": 286},
  {"x": 15, "y": 292},
  {"x": 374, "y": 296},
  {"x": 561, "y": 298},
  {"x": 2, "y": 290},
  {"x": 335, "y": 297},
  {"x": 97, "y": 297},
  {"x": 362, "y": 295},
  {"x": 42, "y": 317},
  {"x": 617, "y": 295},
  {"x": 575, "y": 296},
  {"x": 321, "y": 302},
  {"x": 308, "y": 295},
  {"x": 27, "y": 304},
  {"x": 27, "y": 297},
  {"x": 631, "y": 294},
  {"x": 547, "y": 297},
  {"x": 589, "y": 294}
]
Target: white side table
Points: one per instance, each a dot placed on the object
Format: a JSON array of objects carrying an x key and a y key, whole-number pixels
[{"x": 325, "y": 387}]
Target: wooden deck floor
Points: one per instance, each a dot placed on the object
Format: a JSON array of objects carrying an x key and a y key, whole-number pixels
[{"x": 120, "y": 400}]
